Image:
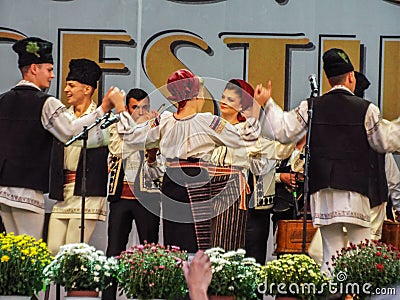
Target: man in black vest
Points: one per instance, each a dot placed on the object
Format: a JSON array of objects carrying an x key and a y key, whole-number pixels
[
  {"x": 66, "y": 167},
  {"x": 132, "y": 196},
  {"x": 29, "y": 118},
  {"x": 346, "y": 133},
  {"x": 377, "y": 198}
]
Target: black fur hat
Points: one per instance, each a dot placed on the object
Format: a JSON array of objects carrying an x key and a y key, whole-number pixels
[
  {"x": 84, "y": 71},
  {"x": 362, "y": 83},
  {"x": 33, "y": 50},
  {"x": 336, "y": 62}
]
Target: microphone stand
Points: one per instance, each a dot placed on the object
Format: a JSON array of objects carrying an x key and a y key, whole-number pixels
[
  {"x": 314, "y": 93},
  {"x": 294, "y": 196},
  {"x": 83, "y": 135}
]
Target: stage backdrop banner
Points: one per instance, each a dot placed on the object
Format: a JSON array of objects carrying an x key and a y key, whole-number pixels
[{"x": 138, "y": 43}]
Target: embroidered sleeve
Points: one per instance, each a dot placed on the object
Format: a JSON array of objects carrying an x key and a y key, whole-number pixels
[
  {"x": 63, "y": 124},
  {"x": 284, "y": 126},
  {"x": 383, "y": 135},
  {"x": 218, "y": 124},
  {"x": 138, "y": 136}
]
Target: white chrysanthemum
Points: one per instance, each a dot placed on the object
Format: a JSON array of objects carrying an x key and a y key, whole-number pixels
[
  {"x": 249, "y": 260},
  {"x": 215, "y": 250},
  {"x": 224, "y": 262},
  {"x": 218, "y": 269},
  {"x": 214, "y": 260},
  {"x": 229, "y": 254},
  {"x": 241, "y": 251}
]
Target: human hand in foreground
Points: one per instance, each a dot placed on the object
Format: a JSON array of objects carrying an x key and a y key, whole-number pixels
[{"x": 198, "y": 275}]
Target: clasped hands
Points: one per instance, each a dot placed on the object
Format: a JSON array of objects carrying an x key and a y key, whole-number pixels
[{"x": 114, "y": 98}]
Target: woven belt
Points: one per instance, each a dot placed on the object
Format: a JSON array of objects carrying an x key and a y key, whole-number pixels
[
  {"x": 217, "y": 171},
  {"x": 127, "y": 191},
  {"x": 187, "y": 164},
  {"x": 69, "y": 176},
  {"x": 244, "y": 187}
]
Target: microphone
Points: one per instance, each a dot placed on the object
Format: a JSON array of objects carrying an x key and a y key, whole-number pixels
[
  {"x": 108, "y": 122},
  {"x": 313, "y": 83}
]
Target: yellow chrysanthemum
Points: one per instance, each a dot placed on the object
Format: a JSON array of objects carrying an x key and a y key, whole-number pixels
[{"x": 5, "y": 258}]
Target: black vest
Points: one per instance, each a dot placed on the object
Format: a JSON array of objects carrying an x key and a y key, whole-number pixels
[
  {"x": 340, "y": 156},
  {"x": 96, "y": 172},
  {"x": 25, "y": 144}
]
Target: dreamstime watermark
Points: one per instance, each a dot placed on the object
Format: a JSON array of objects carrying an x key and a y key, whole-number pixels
[{"x": 330, "y": 287}]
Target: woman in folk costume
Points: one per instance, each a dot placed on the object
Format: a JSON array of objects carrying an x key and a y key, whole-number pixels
[
  {"x": 229, "y": 184},
  {"x": 186, "y": 139}
]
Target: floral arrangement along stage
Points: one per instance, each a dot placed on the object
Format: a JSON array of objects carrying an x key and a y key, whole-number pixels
[
  {"x": 370, "y": 264},
  {"x": 233, "y": 274},
  {"x": 152, "y": 271},
  {"x": 22, "y": 260},
  {"x": 81, "y": 267},
  {"x": 296, "y": 275}
]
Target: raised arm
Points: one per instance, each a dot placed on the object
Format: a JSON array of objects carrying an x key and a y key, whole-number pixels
[
  {"x": 138, "y": 136},
  {"x": 383, "y": 135},
  {"x": 284, "y": 127},
  {"x": 64, "y": 125}
]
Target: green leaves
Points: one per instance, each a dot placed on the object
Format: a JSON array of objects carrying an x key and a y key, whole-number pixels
[
  {"x": 32, "y": 47},
  {"x": 343, "y": 56}
]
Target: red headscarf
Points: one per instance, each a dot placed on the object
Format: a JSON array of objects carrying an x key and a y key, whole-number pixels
[
  {"x": 246, "y": 96},
  {"x": 247, "y": 92},
  {"x": 183, "y": 85}
]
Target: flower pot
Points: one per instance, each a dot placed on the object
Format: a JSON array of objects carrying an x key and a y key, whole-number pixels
[
  {"x": 216, "y": 297},
  {"x": 84, "y": 295},
  {"x": 11, "y": 297}
]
